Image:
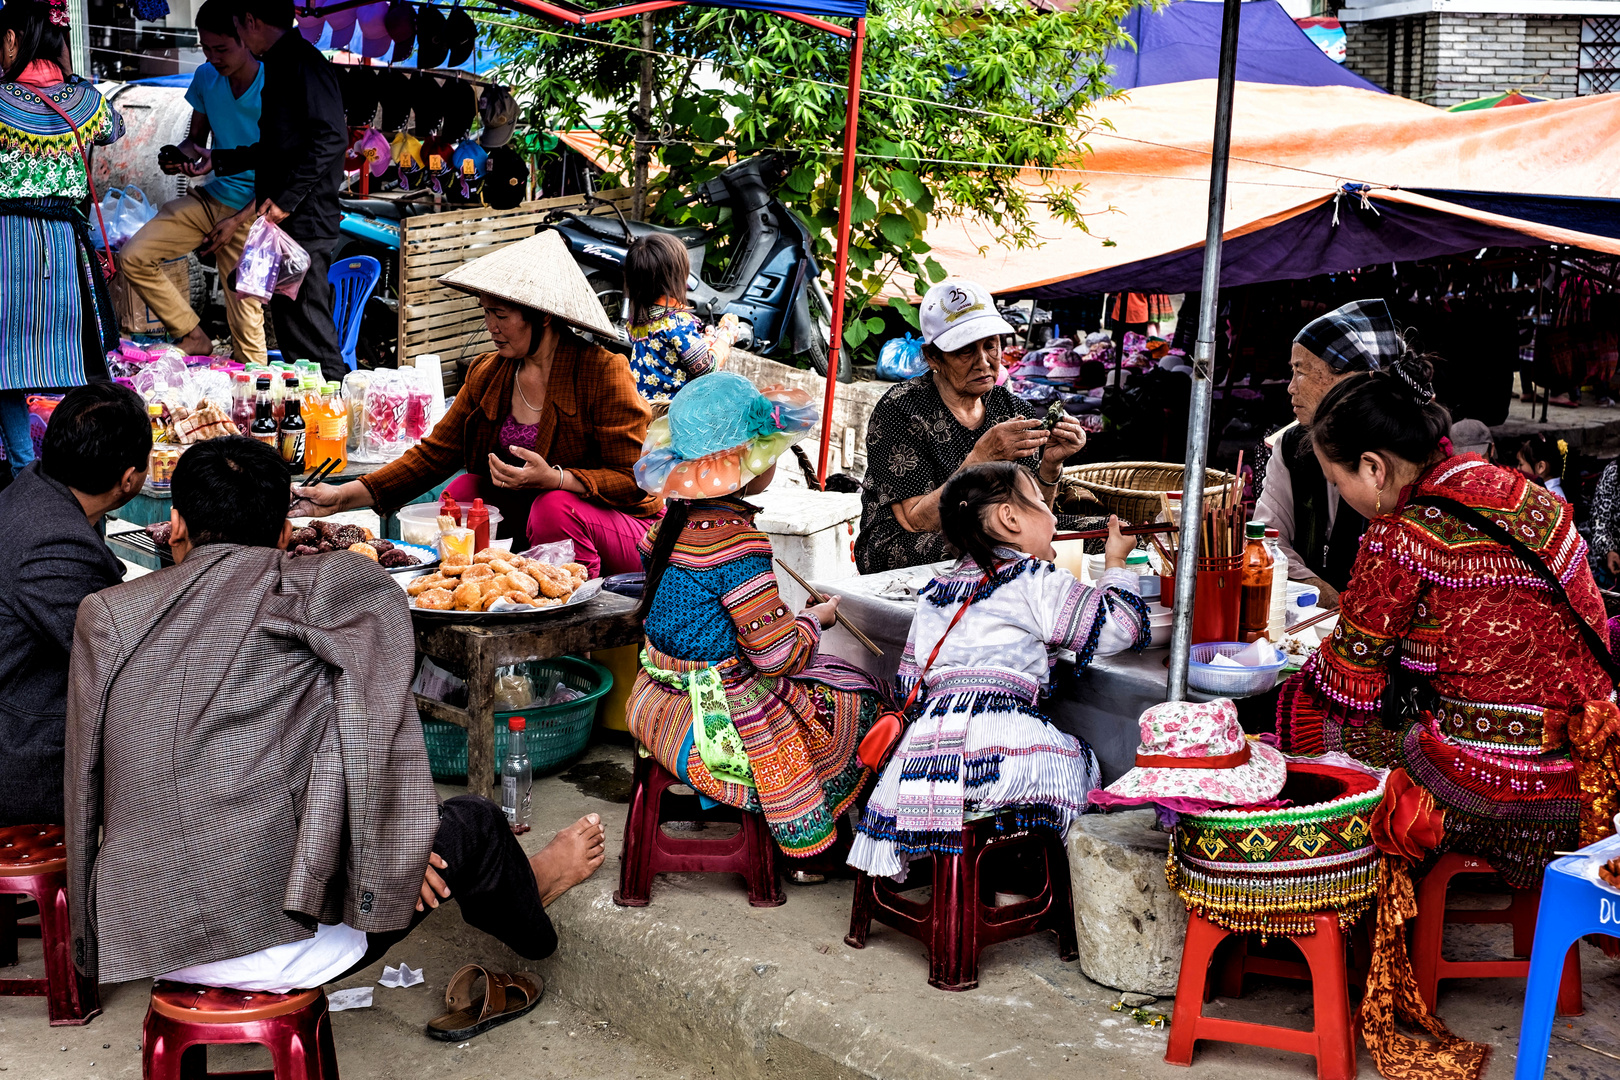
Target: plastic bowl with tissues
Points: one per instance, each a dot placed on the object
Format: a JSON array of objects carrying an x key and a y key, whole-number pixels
[{"x": 1234, "y": 667}]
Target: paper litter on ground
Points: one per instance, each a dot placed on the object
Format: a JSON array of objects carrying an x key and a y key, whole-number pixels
[
  {"x": 358, "y": 997},
  {"x": 402, "y": 976}
]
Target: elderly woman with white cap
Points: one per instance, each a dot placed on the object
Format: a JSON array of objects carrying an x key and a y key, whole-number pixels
[{"x": 926, "y": 429}]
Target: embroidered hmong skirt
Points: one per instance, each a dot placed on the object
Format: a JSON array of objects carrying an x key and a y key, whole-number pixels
[
  {"x": 800, "y": 734},
  {"x": 54, "y": 307},
  {"x": 971, "y": 752}
]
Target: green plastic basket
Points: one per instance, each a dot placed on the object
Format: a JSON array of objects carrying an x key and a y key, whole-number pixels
[{"x": 556, "y": 734}]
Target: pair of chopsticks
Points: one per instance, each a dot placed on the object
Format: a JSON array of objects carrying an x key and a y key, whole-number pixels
[
  {"x": 322, "y": 471},
  {"x": 817, "y": 598},
  {"x": 1125, "y": 530},
  {"x": 1313, "y": 620}
]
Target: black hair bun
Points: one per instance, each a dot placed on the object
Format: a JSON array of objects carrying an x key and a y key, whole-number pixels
[{"x": 1417, "y": 374}]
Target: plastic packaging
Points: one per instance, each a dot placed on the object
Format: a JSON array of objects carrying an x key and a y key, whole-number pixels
[
  {"x": 1277, "y": 622},
  {"x": 517, "y": 777},
  {"x": 901, "y": 358},
  {"x": 382, "y": 423},
  {"x": 272, "y": 262},
  {"x": 354, "y": 396}
]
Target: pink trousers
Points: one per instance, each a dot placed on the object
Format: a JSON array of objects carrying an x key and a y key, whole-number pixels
[{"x": 604, "y": 539}]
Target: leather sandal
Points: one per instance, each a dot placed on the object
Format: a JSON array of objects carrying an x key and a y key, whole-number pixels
[{"x": 505, "y": 997}]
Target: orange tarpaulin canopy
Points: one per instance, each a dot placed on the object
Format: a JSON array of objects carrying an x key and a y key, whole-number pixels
[{"x": 1292, "y": 149}]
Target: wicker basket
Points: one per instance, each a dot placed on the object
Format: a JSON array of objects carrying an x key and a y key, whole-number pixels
[
  {"x": 555, "y": 734},
  {"x": 1132, "y": 489}
]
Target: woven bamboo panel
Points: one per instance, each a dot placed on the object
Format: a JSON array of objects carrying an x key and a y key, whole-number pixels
[{"x": 436, "y": 319}]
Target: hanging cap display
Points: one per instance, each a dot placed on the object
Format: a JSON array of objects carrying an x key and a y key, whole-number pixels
[
  {"x": 375, "y": 40},
  {"x": 311, "y": 27},
  {"x": 460, "y": 104},
  {"x": 394, "y": 91},
  {"x": 498, "y": 110},
  {"x": 538, "y": 272},
  {"x": 359, "y": 86},
  {"x": 407, "y": 151},
  {"x": 720, "y": 433},
  {"x": 427, "y": 104},
  {"x": 370, "y": 150},
  {"x": 1197, "y": 750},
  {"x": 431, "y": 44},
  {"x": 1360, "y": 336},
  {"x": 400, "y": 23},
  {"x": 462, "y": 35},
  {"x": 469, "y": 160},
  {"x": 957, "y": 313},
  {"x": 506, "y": 178}
]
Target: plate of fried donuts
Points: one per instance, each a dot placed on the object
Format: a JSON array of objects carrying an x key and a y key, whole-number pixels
[{"x": 496, "y": 584}]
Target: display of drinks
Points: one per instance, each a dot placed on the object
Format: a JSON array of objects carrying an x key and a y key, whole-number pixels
[
  {"x": 278, "y": 391},
  {"x": 264, "y": 425},
  {"x": 517, "y": 778},
  {"x": 1255, "y": 612},
  {"x": 328, "y": 424},
  {"x": 292, "y": 429},
  {"x": 242, "y": 410},
  {"x": 1277, "y": 624},
  {"x": 310, "y": 386},
  {"x": 154, "y": 416}
]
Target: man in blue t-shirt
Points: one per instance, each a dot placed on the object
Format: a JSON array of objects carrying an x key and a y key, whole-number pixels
[{"x": 224, "y": 95}]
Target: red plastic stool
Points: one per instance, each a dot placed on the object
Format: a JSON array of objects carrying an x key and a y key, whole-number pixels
[
  {"x": 33, "y": 862},
  {"x": 650, "y": 851},
  {"x": 1429, "y": 964},
  {"x": 184, "y": 1021},
  {"x": 960, "y": 917},
  {"x": 1332, "y": 1041}
]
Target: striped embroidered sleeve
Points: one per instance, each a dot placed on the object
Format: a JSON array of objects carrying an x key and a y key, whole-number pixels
[
  {"x": 1351, "y": 669},
  {"x": 1093, "y": 622},
  {"x": 770, "y": 637}
]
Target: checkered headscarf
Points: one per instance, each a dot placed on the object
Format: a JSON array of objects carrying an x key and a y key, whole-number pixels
[{"x": 1360, "y": 336}]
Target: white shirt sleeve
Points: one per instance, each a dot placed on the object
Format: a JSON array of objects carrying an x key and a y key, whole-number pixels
[
  {"x": 1067, "y": 612},
  {"x": 1275, "y": 509}
]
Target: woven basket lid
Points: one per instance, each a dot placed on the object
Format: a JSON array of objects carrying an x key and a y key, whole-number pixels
[{"x": 538, "y": 273}]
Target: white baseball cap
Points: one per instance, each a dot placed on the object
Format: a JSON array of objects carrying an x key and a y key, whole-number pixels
[{"x": 957, "y": 313}]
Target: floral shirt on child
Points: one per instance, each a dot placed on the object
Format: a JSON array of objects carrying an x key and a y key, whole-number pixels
[{"x": 671, "y": 348}]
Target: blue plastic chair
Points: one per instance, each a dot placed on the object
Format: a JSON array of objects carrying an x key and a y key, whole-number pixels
[
  {"x": 1571, "y": 907},
  {"x": 353, "y": 281}
]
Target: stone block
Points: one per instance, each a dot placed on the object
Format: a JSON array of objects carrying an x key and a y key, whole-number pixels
[{"x": 1131, "y": 925}]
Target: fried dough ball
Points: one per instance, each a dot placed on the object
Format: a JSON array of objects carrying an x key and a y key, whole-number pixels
[
  {"x": 453, "y": 564},
  {"x": 523, "y": 583},
  {"x": 364, "y": 549},
  {"x": 477, "y": 572},
  {"x": 468, "y": 597},
  {"x": 420, "y": 585},
  {"x": 436, "y": 600}
]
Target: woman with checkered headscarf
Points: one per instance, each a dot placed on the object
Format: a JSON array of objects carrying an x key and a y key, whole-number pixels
[{"x": 1319, "y": 533}]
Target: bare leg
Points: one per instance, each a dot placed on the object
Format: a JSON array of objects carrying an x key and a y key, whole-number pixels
[
  {"x": 571, "y": 857},
  {"x": 196, "y": 343}
]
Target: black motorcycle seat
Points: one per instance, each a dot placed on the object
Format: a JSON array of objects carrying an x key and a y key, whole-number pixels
[
  {"x": 608, "y": 227},
  {"x": 386, "y": 209}
]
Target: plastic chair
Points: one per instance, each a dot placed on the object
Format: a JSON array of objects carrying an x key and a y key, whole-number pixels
[
  {"x": 956, "y": 922},
  {"x": 1571, "y": 907},
  {"x": 353, "y": 281},
  {"x": 1429, "y": 964},
  {"x": 33, "y": 862},
  {"x": 1331, "y": 1041},
  {"x": 650, "y": 851},
  {"x": 182, "y": 1022}
]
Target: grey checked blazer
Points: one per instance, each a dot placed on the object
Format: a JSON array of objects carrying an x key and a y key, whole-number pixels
[{"x": 244, "y": 759}]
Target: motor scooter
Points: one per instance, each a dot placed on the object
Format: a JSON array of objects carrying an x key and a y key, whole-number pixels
[
  {"x": 768, "y": 278},
  {"x": 371, "y": 226}
]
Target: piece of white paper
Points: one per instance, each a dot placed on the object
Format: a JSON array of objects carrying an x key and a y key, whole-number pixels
[
  {"x": 357, "y": 998},
  {"x": 402, "y": 976},
  {"x": 1258, "y": 654},
  {"x": 1223, "y": 661}
]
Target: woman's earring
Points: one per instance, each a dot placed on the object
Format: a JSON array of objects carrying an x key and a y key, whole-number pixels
[{"x": 1378, "y": 503}]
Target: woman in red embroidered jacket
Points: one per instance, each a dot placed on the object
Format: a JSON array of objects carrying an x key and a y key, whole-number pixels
[{"x": 1494, "y": 679}]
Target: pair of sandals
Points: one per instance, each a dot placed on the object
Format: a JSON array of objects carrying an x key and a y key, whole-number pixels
[{"x": 505, "y": 997}]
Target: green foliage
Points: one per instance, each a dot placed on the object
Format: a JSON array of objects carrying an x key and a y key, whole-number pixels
[{"x": 1019, "y": 82}]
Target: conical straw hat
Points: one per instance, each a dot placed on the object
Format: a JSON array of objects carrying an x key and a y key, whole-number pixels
[{"x": 538, "y": 273}]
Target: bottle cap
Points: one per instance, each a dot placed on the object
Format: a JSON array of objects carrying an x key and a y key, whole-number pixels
[
  {"x": 515, "y": 723},
  {"x": 1273, "y": 534},
  {"x": 264, "y": 382},
  {"x": 1254, "y": 530}
]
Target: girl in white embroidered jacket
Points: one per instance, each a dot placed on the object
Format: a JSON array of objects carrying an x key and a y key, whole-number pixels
[{"x": 979, "y": 743}]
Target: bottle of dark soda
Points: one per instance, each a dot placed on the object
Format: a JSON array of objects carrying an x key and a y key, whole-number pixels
[
  {"x": 292, "y": 428},
  {"x": 264, "y": 420}
]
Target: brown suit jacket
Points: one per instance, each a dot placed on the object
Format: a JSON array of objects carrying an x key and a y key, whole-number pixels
[
  {"x": 244, "y": 760},
  {"x": 593, "y": 424}
]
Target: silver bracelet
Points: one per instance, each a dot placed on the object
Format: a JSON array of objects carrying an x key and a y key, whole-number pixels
[{"x": 562, "y": 477}]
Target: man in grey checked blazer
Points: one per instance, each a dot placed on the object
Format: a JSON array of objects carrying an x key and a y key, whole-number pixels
[{"x": 244, "y": 759}]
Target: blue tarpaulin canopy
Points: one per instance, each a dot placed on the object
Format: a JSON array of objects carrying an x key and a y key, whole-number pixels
[{"x": 1182, "y": 41}]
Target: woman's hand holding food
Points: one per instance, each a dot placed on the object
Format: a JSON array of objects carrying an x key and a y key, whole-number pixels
[
  {"x": 1067, "y": 439},
  {"x": 1009, "y": 440}
]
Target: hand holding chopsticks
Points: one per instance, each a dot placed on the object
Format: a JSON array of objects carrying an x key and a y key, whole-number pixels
[
  {"x": 317, "y": 476},
  {"x": 816, "y": 597}
]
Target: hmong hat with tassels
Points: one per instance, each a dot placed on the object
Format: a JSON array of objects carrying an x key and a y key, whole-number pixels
[{"x": 720, "y": 433}]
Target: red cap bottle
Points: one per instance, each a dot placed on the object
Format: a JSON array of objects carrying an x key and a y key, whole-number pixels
[
  {"x": 447, "y": 505},
  {"x": 478, "y": 522}
]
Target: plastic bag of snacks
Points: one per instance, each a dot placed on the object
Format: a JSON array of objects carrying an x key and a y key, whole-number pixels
[
  {"x": 354, "y": 392},
  {"x": 272, "y": 262},
  {"x": 382, "y": 420}
]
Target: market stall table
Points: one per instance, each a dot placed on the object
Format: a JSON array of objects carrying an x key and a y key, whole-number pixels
[
  {"x": 1100, "y": 704},
  {"x": 475, "y": 651}
]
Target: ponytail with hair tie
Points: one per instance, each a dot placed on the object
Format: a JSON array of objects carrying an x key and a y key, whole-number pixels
[{"x": 1410, "y": 371}]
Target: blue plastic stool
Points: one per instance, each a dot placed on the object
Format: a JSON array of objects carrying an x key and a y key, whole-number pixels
[
  {"x": 353, "y": 280},
  {"x": 1571, "y": 906}
]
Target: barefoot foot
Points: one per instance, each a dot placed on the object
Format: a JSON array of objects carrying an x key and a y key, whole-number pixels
[
  {"x": 571, "y": 857},
  {"x": 196, "y": 343}
]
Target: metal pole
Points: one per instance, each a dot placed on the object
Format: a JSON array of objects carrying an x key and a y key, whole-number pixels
[
  {"x": 846, "y": 201},
  {"x": 1203, "y": 384}
]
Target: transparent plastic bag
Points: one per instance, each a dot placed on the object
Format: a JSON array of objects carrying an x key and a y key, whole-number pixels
[
  {"x": 901, "y": 358},
  {"x": 382, "y": 422},
  {"x": 272, "y": 262}
]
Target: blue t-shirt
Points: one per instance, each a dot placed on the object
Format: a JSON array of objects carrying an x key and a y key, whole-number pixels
[{"x": 235, "y": 123}]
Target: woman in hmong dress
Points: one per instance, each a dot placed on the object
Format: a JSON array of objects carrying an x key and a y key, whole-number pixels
[
  {"x": 979, "y": 742},
  {"x": 56, "y": 321},
  {"x": 1502, "y": 686},
  {"x": 732, "y": 696}
]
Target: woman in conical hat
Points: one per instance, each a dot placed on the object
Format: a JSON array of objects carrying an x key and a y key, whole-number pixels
[
  {"x": 548, "y": 426},
  {"x": 734, "y": 695}
]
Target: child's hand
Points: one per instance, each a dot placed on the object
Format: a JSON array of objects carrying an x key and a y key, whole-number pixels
[
  {"x": 825, "y": 613},
  {"x": 1118, "y": 545}
]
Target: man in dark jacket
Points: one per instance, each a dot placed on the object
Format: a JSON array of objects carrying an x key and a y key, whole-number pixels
[
  {"x": 248, "y": 796},
  {"x": 298, "y": 168},
  {"x": 93, "y": 461}
]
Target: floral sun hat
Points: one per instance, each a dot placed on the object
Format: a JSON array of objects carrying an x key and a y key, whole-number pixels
[
  {"x": 720, "y": 433},
  {"x": 1197, "y": 750}
]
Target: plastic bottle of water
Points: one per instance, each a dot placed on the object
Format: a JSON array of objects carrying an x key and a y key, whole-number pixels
[
  {"x": 1277, "y": 624},
  {"x": 517, "y": 777}
]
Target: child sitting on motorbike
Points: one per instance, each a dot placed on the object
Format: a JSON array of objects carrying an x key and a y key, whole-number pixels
[{"x": 671, "y": 345}]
